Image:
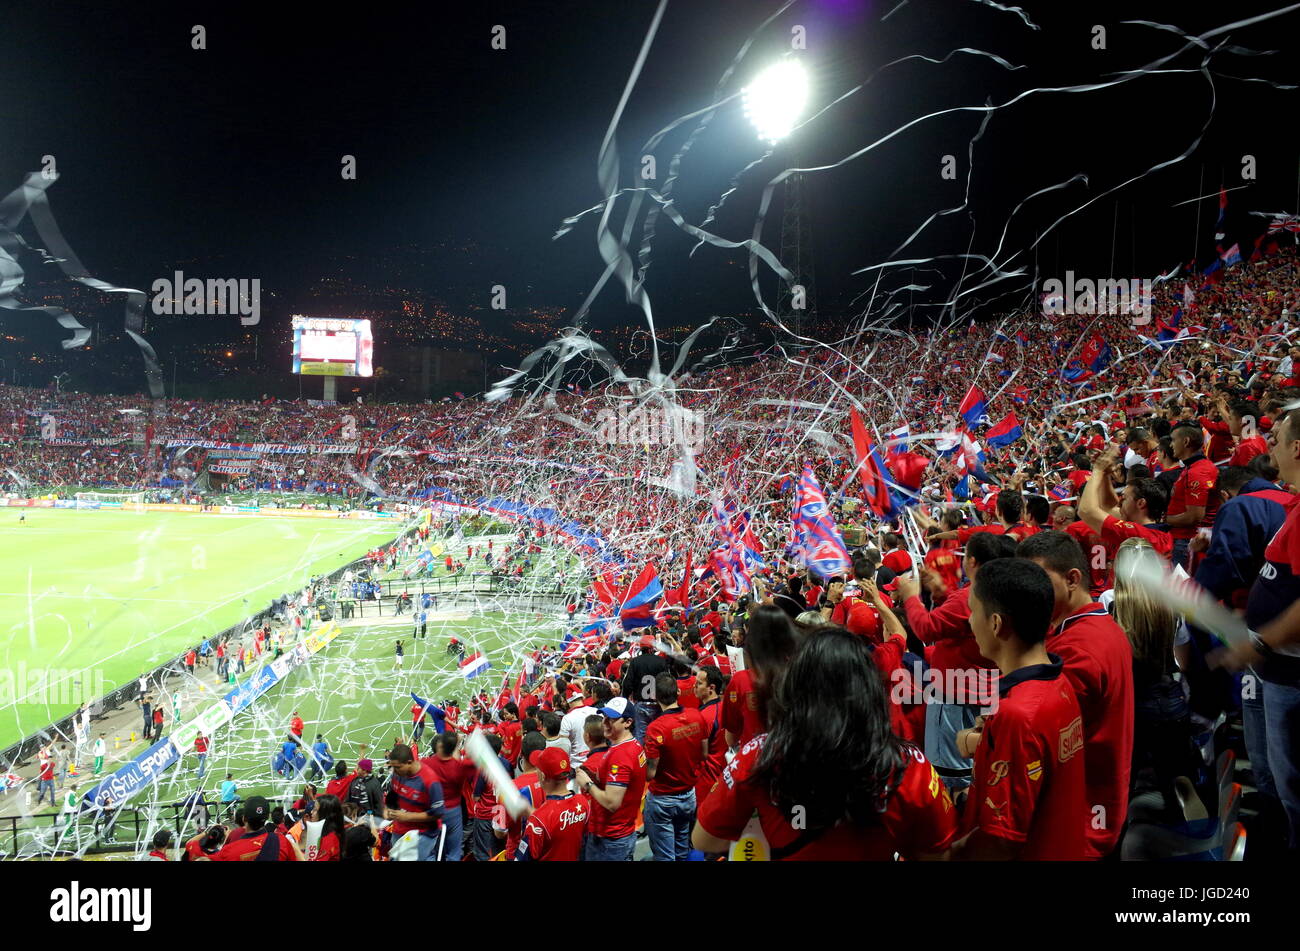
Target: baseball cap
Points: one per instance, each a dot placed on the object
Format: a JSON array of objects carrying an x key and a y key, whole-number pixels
[
  {"x": 618, "y": 708},
  {"x": 256, "y": 807},
  {"x": 365, "y": 765},
  {"x": 552, "y": 761}
]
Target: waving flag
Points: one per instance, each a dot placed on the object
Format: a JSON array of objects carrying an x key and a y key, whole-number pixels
[
  {"x": 1231, "y": 256},
  {"x": 869, "y": 468},
  {"x": 1284, "y": 222},
  {"x": 639, "y": 598},
  {"x": 1020, "y": 395},
  {"x": 899, "y": 438},
  {"x": 907, "y": 468},
  {"x": 1062, "y": 492},
  {"x": 473, "y": 665},
  {"x": 973, "y": 408},
  {"x": 820, "y": 546},
  {"x": 1005, "y": 432},
  {"x": 1223, "y": 211}
]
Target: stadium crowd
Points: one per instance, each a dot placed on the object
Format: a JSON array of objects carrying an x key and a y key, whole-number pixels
[{"x": 984, "y": 677}]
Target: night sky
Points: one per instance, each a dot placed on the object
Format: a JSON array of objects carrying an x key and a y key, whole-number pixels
[{"x": 229, "y": 157}]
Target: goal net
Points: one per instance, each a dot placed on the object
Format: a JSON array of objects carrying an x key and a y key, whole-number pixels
[{"x": 125, "y": 500}]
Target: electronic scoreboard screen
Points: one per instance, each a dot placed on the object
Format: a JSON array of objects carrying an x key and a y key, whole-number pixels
[{"x": 330, "y": 346}]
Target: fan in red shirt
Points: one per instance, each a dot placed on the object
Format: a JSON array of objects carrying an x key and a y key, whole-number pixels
[
  {"x": 675, "y": 746},
  {"x": 1193, "y": 502},
  {"x": 617, "y": 789},
  {"x": 708, "y": 689},
  {"x": 529, "y": 783},
  {"x": 510, "y": 730},
  {"x": 859, "y": 792},
  {"x": 258, "y": 839},
  {"x": 454, "y": 774},
  {"x": 896, "y": 558},
  {"x": 769, "y": 644},
  {"x": 1099, "y": 665},
  {"x": 943, "y": 561},
  {"x": 555, "y": 830},
  {"x": 296, "y": 725},
  {"x": 1028, "y": 799}
]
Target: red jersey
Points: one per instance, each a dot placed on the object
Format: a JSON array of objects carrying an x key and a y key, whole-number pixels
[
  {"x": 623, "y": 765},
  {"x": 200, "y": 744},
  {"x": 512, "y": 738},
  {"x": 898, "y": 561},
  {"x": 740, "y": 708},
  {"x": 1247, "y": 450},
  {"x": 295, "y": 726},
  {"x": 919, "y": 818},
  {"x": 1195, "y": 487},
  {"x": 1029, "y": 784},
  {"x": 530, "y": 787},
  {"x": 418, "y": 793},
  {"x": 676, "y": 739},
  {"x": 712, "y": 765},
  {"x": 1099, "y": 665},
  {"x": 720, "y": 661},
  {"x": 966, "y": 531},
  {"x": 247, "y": 847},
  {"x": 686, "y": 694},
  {"x": 1114, "y": 531},
  {"x": 452, "y": 774},
  {"x": 554, "y": 832},
  {"x": 946, "y": 564}
]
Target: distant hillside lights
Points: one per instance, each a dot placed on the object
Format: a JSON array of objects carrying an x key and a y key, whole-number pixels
[
  {"x": 635, "y": 424},
  {"x": 215, "y": 296},
  {"x": 1133, "y": 297}
]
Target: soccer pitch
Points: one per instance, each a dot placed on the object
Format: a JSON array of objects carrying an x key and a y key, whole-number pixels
[{"x": 90, "y": 599}]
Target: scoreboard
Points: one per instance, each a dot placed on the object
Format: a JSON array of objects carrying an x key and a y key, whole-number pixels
[{"x": 330, "y": 346}]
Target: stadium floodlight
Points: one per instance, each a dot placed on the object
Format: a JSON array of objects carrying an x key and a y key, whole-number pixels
[{"x": 775, "y": 100}]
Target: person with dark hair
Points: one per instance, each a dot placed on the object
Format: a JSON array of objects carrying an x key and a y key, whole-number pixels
[
  {"x": 1273, "y": 652},
  {"x": 769, "y": 643},
  {"x": 416, "y": 810},
  {"x": 895, "y": 557},
  {"x": 162, "y": 841},
  {"x": 709, "y": 688},
  {"x": 1243, "y": 418},
  {"x": 675, "y": 745},
  {"x": 831, "y": 762},
  {"x": 639, "y": 684},
  {"x": 358, "y": 844},
  {"x": 1192, "y": 501},
  {"x": 528, "y": 781},
  {"x": 511, "y": 730},
  {"x": 482, "y": 838},
  {"x": 1028, "y": 798},
  {"x": 259, "y": 841},
  {"x": 1099, "y": 664},
  {"x": 615, "y": 785},
  {"x": 1141, "y": 509},
  {"x": 947, "y": 627},
  {"x": 320, "y": 833},
  {"x": 551, "y": 731},
  {"x": 1038, "y": 514}
]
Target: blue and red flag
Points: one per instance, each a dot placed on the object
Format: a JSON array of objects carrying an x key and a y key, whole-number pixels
[
  {"x": 973, "y": 408},
  {"x": 639, "y": 598},
  {"x": 1005, "y": 432},
  {"x": 870, "y": 469},
  {"x": 820, "y": 546}
]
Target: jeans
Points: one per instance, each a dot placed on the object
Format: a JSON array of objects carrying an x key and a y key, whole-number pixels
[
  {"x": 643, "y": 714},
  {"x": 1282, "y": 721},
  {"x": 41, "y": 786},
  {"x": 484, "y": 840},
  {"x": 942, "y": 721},
  {"x": 669, "y": 818},
  {"x": 451, "y": 818},
  {"x": 1179, "y": 555},
  {"x": 203, "y": 764},
  {"x": 601, "y": 849}
]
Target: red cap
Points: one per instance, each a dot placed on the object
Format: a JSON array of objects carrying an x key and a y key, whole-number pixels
[
  {"x": 552, "y": 761},
  {"x": 863, "y": 620}
]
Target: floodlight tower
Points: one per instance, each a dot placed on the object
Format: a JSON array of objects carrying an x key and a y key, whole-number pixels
[{"x": 774, "y": 103}]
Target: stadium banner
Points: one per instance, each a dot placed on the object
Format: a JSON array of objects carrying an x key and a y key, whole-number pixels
[
  {"x": 318, "y": 640},
  {"x": 216, "y": 715},
  {"x": 241, "y": 467},
  {"x": 86, "y": 440},
  {"x": 66, "y": 503},
  {"x": 134, "y": 776},
  {"x": 272, "y": 448},
  {"x": 170, "y": 507},
  {"x": 252, "y": 688}
]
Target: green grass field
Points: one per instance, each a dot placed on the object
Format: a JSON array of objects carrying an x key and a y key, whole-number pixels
[{"x": 93, "y": 598}]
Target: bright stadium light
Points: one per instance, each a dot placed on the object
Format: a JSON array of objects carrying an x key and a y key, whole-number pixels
[{"x": 775, "y": 100}]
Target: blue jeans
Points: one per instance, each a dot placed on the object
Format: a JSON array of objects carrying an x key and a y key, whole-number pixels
[
  {"x": 1282, "y": 721},
  {"x": 203, "y": 764},
  {"x": 1179, "y": 555},
  {"x": 483, "y": 840},
  {"x": 668, "y": 821},
  {"x": 942, "y": 721},
  {"x": 601, "y": 849},
  {"x": 41, "y": 786},
  {"x": 643, "y": 714},
  {"x": 451, "y": 818}
]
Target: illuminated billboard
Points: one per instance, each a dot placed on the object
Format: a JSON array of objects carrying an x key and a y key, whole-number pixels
[{"x": 332, "y": 346}]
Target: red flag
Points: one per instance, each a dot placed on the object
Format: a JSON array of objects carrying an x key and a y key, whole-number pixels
[
  {"x": 908, "y": 468},
  {"x": 873, "y": 480},
  {"x": 684, "y": 590}
]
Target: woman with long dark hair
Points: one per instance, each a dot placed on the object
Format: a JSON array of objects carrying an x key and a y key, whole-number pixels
[
  {"x": 830, "y": 779},
  {"x": 770, "y": 641}
]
